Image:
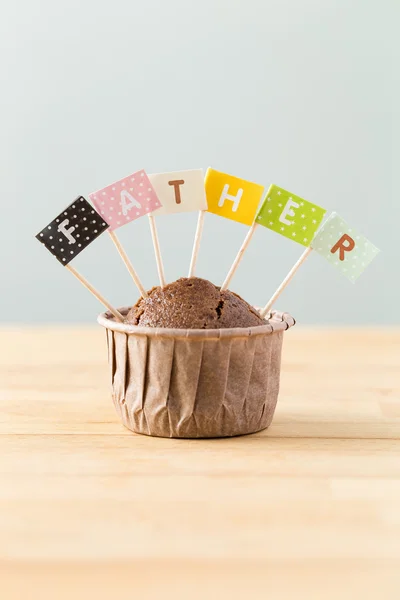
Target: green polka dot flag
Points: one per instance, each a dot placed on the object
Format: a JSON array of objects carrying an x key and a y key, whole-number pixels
[
  {"x": 344, "y": 247},
  {"x": 290, "y": 215}
]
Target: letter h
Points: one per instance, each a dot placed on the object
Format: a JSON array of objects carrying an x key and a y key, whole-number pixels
[{"x": 235, "y": 199}]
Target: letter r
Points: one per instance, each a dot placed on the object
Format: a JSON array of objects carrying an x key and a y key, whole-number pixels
[{"x": 342, "y": 247}]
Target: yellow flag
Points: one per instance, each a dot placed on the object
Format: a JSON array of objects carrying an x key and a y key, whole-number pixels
[{"x": 231, "y": 197}]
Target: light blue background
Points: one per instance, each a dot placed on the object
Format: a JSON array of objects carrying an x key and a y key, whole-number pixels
[{"x": 299, "y": 93}]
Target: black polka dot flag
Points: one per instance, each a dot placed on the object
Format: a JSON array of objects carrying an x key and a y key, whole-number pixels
[{"x": 74, "y": 229}]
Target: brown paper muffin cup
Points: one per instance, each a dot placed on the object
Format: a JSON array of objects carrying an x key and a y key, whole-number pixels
[{"x": 195, "y": 383}]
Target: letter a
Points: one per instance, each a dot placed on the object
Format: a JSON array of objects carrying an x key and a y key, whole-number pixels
[
  {"x": 340, "y": 245},
  {"x": 132, "y": 202},
  {"x": 225, "y": 196},
  {"x": 67, "y": 232}
]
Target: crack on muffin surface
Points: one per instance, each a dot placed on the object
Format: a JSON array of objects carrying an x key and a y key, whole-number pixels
[{"x": 219, "y": 308}]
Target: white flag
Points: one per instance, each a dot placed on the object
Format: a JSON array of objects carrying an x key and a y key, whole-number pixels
[{"x": 179, "y": 191}]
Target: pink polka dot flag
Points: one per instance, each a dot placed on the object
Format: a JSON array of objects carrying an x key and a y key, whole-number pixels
[{"x": 126, "y": 200}]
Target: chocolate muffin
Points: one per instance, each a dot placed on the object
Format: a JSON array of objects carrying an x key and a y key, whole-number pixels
[{"x": 193, "y": 303}]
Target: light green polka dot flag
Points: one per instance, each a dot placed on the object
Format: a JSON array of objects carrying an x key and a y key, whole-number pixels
[
  {"x": 344, "y": 247},
  {"x": 290, "y": 215}
]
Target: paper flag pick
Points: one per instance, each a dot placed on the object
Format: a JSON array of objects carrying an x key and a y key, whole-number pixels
[
  {"x": 72, "y": 230},
  {"x": 344, "y": 247},
  {"x": 69, "y": 233},
  {"x": 179, "y": 191},
  {"x": 290, "y": 215},
  {"x": 231, "y": 197},
  {"x": 126, "y": 200}
]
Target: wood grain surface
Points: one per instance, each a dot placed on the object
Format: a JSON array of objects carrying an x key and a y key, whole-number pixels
[{"x": 307, "y": 509}]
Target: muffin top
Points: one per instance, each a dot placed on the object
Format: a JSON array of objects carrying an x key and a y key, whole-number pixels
[{"x": 193, "y": 303}]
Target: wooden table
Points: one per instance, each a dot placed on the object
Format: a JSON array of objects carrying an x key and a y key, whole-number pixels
[{"x": 308, "y": 509}]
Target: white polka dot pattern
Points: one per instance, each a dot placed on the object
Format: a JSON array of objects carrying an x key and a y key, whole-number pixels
[
  {"x": 126, "y": 200},
  {"x": 72, "y": 230}
]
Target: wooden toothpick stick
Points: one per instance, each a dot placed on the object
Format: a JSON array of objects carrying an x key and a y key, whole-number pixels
[
  {"x": 285, "y": 282},
  {"x": 128, "y": 264},
  {"x": 239, "y": 256},
  {"x": 156, "y": 244},
  {"x": 196, "y": 244},
  {"x": 95, "y": 293}
]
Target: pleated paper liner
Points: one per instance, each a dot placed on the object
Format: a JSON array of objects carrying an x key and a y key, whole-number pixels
[{"x": 195, "y": 383}]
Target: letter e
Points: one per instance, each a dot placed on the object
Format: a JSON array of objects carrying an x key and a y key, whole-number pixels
[{"x": 288, "y": 212}]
